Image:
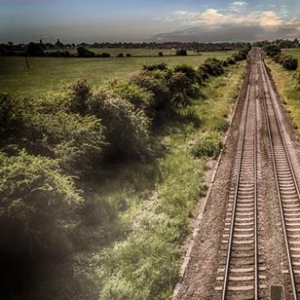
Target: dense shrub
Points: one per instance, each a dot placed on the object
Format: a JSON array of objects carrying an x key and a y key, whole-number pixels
[
  {"x": 78, "y": 94},
  {"x": 157, "y": 84},
  {"x": 83, "y": 52},
  {"x": 126, "y": 127},
  {"x": 290, "y": 63},
  {"x": 104, "y": 54},
  {"x": 272, "y": 50},
  {"x": 75, "y": 141},
  {"x": 34, "y": 49},
  {"x": 153, "y": 67},
  {"x": 208, "y": 145},
  {"x": 136, "y": 95},
  {"x": 188, "y": 71},
  {"x": 210, "y": 67},
  {"x": 37, "y": 206},
  {"x": 181, "y": 52},
  {"x": 12, "y": 118}
]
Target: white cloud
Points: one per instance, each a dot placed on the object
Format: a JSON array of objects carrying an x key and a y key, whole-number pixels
[
  {"x": 214, "y": 18},
  {"x": 238, "y": 6}
]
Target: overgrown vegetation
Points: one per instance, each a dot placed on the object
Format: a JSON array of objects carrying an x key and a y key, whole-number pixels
[
  {"x": 288, "y": 84},
  {"x": 55, "y": 151},
  {"x": 287, "y": 61}
]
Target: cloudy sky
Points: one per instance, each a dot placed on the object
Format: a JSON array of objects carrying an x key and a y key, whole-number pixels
[{"x": 140, "y": 20}]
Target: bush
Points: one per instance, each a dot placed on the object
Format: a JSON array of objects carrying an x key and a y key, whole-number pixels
[
  {"x": 157, "y": 84},
  {"x": 82, "y": 52},
  {"x": 37, "y": 206},
  {"x": 188, "y": 71},
  {"x": 290, "y": 63},
  {"x": 78, "y": 94},
  {"x": 136, "y": 95},
  {"x": 208, "y": 145},
  {"x": 272, "y": 50},
  {"x": 12, "y": 118},
  {"x": 104, "y": 54},
  {"x": 75, "y": 141},
  {"x": 126, "y": 127},
  {"x": 181, "y": 52},
  {"x": 153, "y": 67}
]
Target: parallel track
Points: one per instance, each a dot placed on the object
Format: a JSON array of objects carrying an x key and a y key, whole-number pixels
[
  {"x": 240, "y": 267},
  {"x": 286, "y": 184},
  {"x": 239, "y": 273}
]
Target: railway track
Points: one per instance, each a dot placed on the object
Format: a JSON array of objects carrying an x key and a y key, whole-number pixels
[
  {"x": 241, "y": 265},
  {"x": 238, "y": 273},
  {"x": 286, "y": 185}
]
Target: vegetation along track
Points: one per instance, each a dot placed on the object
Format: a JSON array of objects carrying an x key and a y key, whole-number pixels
[{"x": 241, "y": 269}]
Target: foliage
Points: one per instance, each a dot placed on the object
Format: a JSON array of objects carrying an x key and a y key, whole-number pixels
[
  {"x": 34, "y": 49},
  {"x": 209, "y": 145},
  {"x": 12, "y": 119},
  {"x": 290, "y": 63},
  {"x": 126, "y": 127},
  {"x": 272, "y": 50},
  {"x": 181, "y": 52},
  {"x": 136, "y": 95},
  {"x": 37, "y": 205},
  {"x": 153, "y": 67},
  {"x": 75, "y": 141},
  {"x": 83, "y": 52},
  {"x": 188, "y": 71},
  {"x": 79, "y": 93}
]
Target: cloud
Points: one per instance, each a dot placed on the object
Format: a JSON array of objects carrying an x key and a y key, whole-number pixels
[
  {"x": 214, "y": 18},
  {"x": 238, "y": 6}
]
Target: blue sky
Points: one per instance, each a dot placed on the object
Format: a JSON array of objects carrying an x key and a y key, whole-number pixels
[{"x": 133, "y": 20}]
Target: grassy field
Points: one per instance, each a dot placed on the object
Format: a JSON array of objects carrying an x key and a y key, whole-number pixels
[
  {"x": 52, "y": 74},
  {"x": 288, "y": 87},
  {"x": 131, "y": 51},
  {"x": 294, "y": 52}
]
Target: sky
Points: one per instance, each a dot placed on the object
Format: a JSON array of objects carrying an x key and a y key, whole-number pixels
[{"x": 156, "y": 20}]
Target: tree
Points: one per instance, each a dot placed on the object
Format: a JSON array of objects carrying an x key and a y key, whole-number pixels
[
  {"x": 34, "y": 49},
  {"x": 82, "y": 52},
  {"x": 181, "y": 52}
]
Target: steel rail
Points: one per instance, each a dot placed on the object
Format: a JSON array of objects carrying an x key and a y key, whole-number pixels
[
  {"x": 264, "y": 73},
  {"x": 233, "y": 214}
]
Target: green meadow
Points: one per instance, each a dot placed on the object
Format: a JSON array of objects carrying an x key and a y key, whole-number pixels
[{"x": 53, "y": 74}]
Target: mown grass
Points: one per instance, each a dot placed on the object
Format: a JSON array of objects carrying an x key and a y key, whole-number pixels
[
  {"x": 49, "y": 75},
  {"x": 288, "y": 87}
]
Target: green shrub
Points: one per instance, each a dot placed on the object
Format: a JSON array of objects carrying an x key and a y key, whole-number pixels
[
  {"x": 82, "y": 52},
  {"x": 157, "y": 66},
  {"x": 155, "y": 83},
  {"x": 290, "y": 63},
  {"x": 126, "y": 127},
  {"x": 188, "y": 71},
  {"x": 12, "y": 118},
  {"x": 37, "y": 205},
  {"x": 136, "y": 95},
  {"x": 209, "y": 145},
  {"x": 272, "y": 50},
  {"x": 76, "y": 141},
  {"x": 181, "y": 52},
  {"x": 78, "y": 94}
]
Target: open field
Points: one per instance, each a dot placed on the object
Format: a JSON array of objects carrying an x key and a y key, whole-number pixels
[
  {"x": 52, "y": 74},
  {"x": 131, "y": 51},
  {"x": 294, "y": 52}
]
